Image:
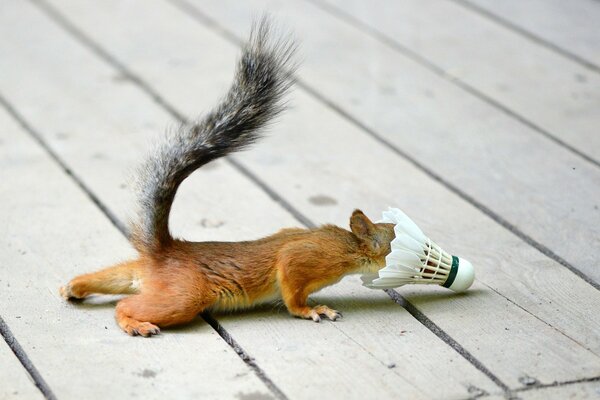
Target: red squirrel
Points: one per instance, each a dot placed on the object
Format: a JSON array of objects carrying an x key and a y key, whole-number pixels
[{"x": 173, "y": 280}]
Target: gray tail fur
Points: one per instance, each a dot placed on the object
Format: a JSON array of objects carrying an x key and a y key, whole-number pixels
[{"x": 262, "y": 78}]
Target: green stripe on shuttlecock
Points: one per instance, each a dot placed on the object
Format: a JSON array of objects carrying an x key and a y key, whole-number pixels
[{"x": 453, "y": 272}]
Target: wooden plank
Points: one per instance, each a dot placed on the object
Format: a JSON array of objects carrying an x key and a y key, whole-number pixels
[
  {"x": 405, "y": 352},
  {"x": 500, "y": 163},
  {"x": 547, "y": 89},
  {"x": 16, "y": 383},
  {"x": 570, "y": 26},
  {"x": 524, "y": 303},
  {"x": 299, "y": 356},
  {"x": 51, "y": 231}
]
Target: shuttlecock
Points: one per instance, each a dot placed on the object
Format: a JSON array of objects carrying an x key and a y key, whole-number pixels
[{"x": 416, "y": 259}]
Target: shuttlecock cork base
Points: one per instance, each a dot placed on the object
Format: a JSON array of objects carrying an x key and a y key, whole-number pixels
[
  {"x": 416, "y": 259},
  {"x": 461, "y": 275}
]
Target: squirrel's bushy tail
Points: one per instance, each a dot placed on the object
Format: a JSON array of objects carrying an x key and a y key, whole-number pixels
[{"x": 262, "y": 78}]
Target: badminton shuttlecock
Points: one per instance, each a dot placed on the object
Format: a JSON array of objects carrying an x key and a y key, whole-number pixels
[{"x": 416, "y": 259}]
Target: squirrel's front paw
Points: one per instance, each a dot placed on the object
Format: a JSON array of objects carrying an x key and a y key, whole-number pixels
[{"x": 315, "y": 313}]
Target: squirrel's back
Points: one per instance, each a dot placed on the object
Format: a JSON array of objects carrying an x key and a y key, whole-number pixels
[{"x": 262, "y": 78}]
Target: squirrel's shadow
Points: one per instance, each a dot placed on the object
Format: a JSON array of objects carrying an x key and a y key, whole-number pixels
[
  {"x": 356, "y": 303},
  {"x": 442, "y": 295},
  {"x": 277, "y": 311}
]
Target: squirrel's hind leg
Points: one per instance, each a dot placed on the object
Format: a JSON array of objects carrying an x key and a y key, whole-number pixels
[
  {"x": 162, "y": 304},
  {"x": 123, "y": 278},
  {"x": 142, "y": 314}
]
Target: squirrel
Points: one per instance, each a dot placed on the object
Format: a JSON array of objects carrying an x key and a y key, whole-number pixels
[{"x": 173, "y": 280}]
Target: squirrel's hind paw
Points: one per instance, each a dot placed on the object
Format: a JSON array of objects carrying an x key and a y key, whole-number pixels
[
  {"x": 66, "y": 292},
  {"x": 135, "y": 328}
]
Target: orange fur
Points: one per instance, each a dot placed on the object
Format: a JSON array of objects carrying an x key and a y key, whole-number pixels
[{"x": 186, "y": 278}]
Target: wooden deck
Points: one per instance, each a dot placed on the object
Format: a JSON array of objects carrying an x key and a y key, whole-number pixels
[{"x": 480, "y": 119}]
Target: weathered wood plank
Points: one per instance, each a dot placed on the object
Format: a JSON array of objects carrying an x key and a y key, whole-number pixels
[
  {"x": 497, "y": 161},
  {"x": 16, "y": 383},
  {"x": 547, "y": 89},
  {"x": 405, "y": 352},
  {"x": 299, "y": 356},
  {"x": 572, "y": 26},
  {"x": 51, "y": 231},
  {"x": 503, "y": 335}
]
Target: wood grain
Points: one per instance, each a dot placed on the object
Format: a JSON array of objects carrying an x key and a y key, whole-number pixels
[
  {"x": 299, "y": 356},
  {"x": 550, "y": 91},
  {"x": 570, "y": 26},
  {"x": 525, "y": 301},
  {"x": 16, "y": 383}
]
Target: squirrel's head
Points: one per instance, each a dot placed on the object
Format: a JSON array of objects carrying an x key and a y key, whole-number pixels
[{"x": 374, "y": 238}]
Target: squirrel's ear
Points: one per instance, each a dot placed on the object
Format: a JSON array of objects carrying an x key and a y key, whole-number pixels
[{"x": 362, "y": 226}]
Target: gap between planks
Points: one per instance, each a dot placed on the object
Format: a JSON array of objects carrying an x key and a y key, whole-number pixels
[
  {"x": 383, "y": 38},
  {"x": 528, "y": 34},
  {"x": 22, "y": 356}
]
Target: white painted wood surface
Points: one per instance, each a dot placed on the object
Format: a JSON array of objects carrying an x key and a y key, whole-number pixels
[
  {"x": 526, "y": 315},
  {"x": 313, "y": 146},
  {"x": 52, "y": 232},
  {"x": 551, "y": 91},
  {"x": 526, "y": 179},
  {"x": 289, "y": 348},
  {"x": 569, "y": 25},
  {"x": 15, "y": 381}
]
